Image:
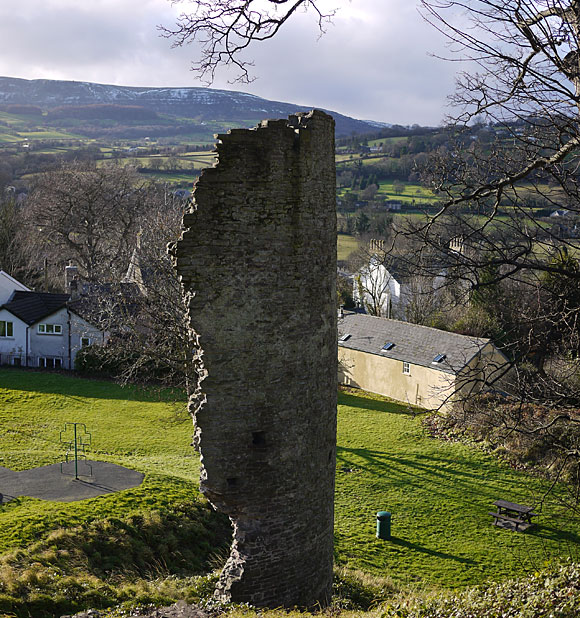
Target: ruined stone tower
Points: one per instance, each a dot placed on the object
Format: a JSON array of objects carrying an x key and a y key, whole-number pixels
[{"x": 258, "y": 263}]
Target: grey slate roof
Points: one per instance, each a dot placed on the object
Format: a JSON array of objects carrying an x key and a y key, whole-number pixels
[
  {"x": 414, "y": 344},
  {"x": 33, "y": 306}
]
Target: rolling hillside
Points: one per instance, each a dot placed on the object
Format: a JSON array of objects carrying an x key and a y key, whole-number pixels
[{"x": 202, "y": 105}]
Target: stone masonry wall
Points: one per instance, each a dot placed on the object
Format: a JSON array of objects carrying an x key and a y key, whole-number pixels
[{"x": 258, "y": 263}]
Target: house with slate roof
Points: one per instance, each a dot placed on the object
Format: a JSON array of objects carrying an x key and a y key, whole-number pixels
[
  {"x": 39, "y": 329},
  {"x": 415, "y": 364}
]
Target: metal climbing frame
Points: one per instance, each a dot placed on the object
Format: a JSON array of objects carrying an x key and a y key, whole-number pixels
[{"x": 81, "y": 439}]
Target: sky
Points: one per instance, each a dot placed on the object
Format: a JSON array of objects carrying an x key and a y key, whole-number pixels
[{"x": 375, "y": 61}]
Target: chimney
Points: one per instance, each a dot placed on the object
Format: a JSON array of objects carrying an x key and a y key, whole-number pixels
[
  {"x": 71, "y": 275},
  {"x": 73, "y": 289}
]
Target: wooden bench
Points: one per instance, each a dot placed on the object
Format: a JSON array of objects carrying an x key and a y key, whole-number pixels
[
  {"x": 518, "y": 522},
  {"x": 515, "y": 517}
]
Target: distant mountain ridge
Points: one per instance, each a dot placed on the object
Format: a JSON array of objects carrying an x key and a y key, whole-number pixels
[{"x": 203, "y": 104}]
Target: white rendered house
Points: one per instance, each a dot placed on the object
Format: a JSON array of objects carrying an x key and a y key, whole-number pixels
[{"x": 38, "y": 329}]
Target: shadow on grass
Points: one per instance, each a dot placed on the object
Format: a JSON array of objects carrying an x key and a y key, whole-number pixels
[
  {"x": 431, "y": 552},
  {"x": 81, "y": 387},
  {"x": 550, "y": 533},
  {"x": 447, "y": 479},
  {"x": 383, "y": 464},
  {"x": 377, "y": 405}
]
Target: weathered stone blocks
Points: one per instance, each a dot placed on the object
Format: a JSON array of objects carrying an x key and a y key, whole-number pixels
[{"x": 258, "y": 264}]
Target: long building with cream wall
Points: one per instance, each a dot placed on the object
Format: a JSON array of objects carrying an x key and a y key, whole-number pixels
[{"x": 415, "y": 364}]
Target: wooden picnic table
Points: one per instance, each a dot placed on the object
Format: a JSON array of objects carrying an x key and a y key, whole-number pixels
[{"x": 514, "y": 516}]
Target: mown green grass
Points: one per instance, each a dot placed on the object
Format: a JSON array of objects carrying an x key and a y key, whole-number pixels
[
  {"x": 128, "y": 427},
  {"x": 439, "y": 493}
]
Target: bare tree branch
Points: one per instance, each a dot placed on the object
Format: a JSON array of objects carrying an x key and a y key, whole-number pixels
[{"x": 225, "y": 29}]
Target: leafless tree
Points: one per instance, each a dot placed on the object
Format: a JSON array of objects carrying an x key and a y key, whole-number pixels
[
  {"x": 517, "y": 269},
  {"x": 10, "y": 236},
  {"x": 526, "y": 86},
  {"x": 86, "y": 214},
  {"x": 225, "y": 29},
  {"x": 145, "y": 312},
  {"x": 527, "y": 80}
]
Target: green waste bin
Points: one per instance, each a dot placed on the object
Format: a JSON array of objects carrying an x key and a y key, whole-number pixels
[{"x": 383, "y": 525}]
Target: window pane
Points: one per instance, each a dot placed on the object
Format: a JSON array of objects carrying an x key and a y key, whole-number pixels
[{"x": 10, "y": 329}]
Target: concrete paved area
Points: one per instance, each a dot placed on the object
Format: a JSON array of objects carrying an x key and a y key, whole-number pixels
[{"x": 53, "y": 483}]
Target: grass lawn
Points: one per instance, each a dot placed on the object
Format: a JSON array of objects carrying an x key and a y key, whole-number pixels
[
  {"x": 439, "y": 493},
  {"x": 128, "y": 427}
]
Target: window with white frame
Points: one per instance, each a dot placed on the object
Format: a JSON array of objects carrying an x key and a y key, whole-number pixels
[
  {"x": 50, "y": 329},
  {"x": 6, "y": 329},
  {"x": 50, "y": 362},
  {"x": 406, "y": 368},
  {"x": 85, "y": 342}
]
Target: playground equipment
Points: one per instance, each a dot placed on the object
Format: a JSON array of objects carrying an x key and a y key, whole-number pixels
[{"x": 76, "y": 446}]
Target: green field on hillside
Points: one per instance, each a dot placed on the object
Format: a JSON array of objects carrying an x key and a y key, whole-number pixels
[
  {"x": 388, "y": 140},
  {"x": 411, "y": 193},
  {"x": 439, "y": 493},
  {"x": 346, "y": 245}
]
